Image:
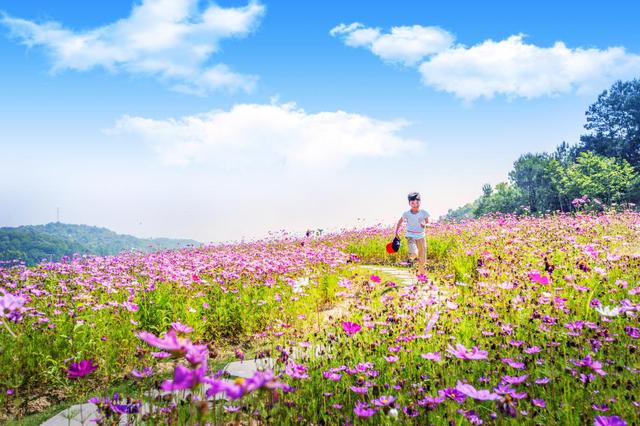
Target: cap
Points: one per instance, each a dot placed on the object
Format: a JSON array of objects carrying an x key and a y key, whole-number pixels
[{"x": 393, "y": 246}]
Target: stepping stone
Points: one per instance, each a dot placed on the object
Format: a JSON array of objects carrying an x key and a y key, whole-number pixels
[
  {"x": 76, "y": 415},
  {"x": 248, "y": 367}
]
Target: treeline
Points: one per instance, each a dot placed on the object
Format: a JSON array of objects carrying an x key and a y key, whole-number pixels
[
  {"x": 601, "y": 171},
  {"x": 34, "y": 243}
]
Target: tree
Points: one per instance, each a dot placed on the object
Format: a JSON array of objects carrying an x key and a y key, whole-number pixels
[
  {"x": 608, "y": 179},
  {"x": 530, "y": 174},
  {"x": 505, "y": 198},
  {"x": 613, "y": 122}
]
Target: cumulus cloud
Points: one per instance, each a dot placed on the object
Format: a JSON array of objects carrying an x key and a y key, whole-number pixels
[
  {"x": 514, "y": 68},
  {"x": 510, "y": 67},
  {"x": 404, "y": 45},
  {"x": 172, "y": 40},
  {"x": 266, "y": 134}
]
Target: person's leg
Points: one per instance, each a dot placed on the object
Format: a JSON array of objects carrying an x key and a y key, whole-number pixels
[
  {"x": 422, "y": 255},
  {"x": 412, "y": 249}
]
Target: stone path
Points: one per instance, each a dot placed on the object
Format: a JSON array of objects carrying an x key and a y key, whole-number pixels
[
  {"x": 82, "y": 414},
  {"x": 403, "y": 275}
]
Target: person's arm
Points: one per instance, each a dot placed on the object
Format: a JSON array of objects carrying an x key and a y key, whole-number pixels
[
  {"x": 424, "y": 221},
  {"x": 398, "y": 225}
]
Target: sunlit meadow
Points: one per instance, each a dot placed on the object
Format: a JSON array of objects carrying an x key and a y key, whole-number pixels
[{"x": 518, "y": 321}]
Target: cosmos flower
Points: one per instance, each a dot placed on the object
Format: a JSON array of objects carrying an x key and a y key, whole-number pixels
[
  {"x": 478, "y": 394},
  {"x": 351, "y": 328},
  {"x": 432, "y": 356},
  {"x": 363, "y": 410},
  {"x": 383, "y": 401},
  {"x": 184, "y": 378},
  {"x": 170, "y": 342},
  {"x": 11, "y": 307},
  {"x": 609, "y": 421},
  {"x": 608, "y": 311},
  {"x": 516, "y": 380},
  {"x": 462, "y": 352},
  {"x": 181, "y": 328},
  {"x": 81, "y": 369},
  {"x": 539, "y": 403}
]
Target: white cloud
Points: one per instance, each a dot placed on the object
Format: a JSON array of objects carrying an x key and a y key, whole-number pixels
[
  {"x": 405, "y": 45},
  {"x": 264, "y": 134},
  {"x": 508, "y": 67},
  {"x": 514, "y": 68},
  {"x": 170, "y": 39}
]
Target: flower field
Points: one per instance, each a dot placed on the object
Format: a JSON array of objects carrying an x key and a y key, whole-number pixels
[{"x": 518, "y": 321}]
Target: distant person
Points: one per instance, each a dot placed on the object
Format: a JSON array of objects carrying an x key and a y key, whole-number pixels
[{"x": 417, "y": 220}]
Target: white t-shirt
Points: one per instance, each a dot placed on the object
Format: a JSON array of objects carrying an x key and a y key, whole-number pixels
[{"x": 414, "y": 230}]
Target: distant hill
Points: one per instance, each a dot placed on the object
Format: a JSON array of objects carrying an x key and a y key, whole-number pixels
[{"x": 33, "y": 243}]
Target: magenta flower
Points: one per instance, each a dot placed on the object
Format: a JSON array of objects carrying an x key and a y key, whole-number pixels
[
  {"x": 363, "y": 410},
  {"x": 181, "y": 328},
  {"x": 536, "y": 277},
  {"x": 334, "y": 377},
  {"x": 170, "y": 342},
  {"x": 351, "y": 328},
  {"x": 532, "y": 350},
  {"x": 360, "y": 389},
  {"x": 452, "y": 393},
  {"x": 609, "y": 421},
  {"x": 11, "y": 307},
  {"x": 374, "y": 278},
  {"x": 184, "y": 378},
  {"x": 240, "y": 387},
  {"x": 383, "y": 401},
  {"x": 539, "y": 403},
  {"x": 479, "y": 394},
  {"x": 81, "y": 369},
  {"x": 632, "y": 332},
  {"x": 296, "y": 371},
  {"x": 391, "y": 358},
  {"x": 146, "y": 372},
  {"x": 596, "y": 366},
  {"x": 432, "y": 356},
  {"x": 462, "y": 352},
  {"x": 516, "y": 380},
  {"x": 513, "y": 364}
]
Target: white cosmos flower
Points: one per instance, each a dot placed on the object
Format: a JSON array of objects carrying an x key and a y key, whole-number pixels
[{"x": 608, "y": 311}]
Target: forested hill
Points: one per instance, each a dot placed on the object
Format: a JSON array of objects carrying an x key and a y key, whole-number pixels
[{"x": 33, "y": 243}]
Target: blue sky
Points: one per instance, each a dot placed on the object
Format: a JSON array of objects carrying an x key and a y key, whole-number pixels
[{"x": 283, "y": 123}]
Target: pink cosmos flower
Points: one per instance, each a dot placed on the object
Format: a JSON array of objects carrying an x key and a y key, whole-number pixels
[
  {"x": 11, "y": 306},
  {"x": 184, "y": 378},
  {"x": 513, "y": 364},
  {"x": 536, "y": 277},
  {"x": 145, "y": 372},
  {"x": 596, "y": 366},
  {"x": 170, "y": 342},
  {"x": 609, "y": 421},
  {"x": 432, "y": 356},
  {"x": 296, "y": 371},
  {"x": 539, "y": 403},
  {"x": 363, "y": 410},
  {"x": 181, "y": 328},
  {"x": 351, "y": 328},
  {"x": 478, "y": 394},
  {"x": 516, "y": 380},
  {"x": 462, "y": 352},
  {"x": 383, "y": 401},
  {"x": 81, "y": 369}
]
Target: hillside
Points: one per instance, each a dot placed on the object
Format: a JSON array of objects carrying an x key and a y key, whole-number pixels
[{"x": 33, "y": 243}]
